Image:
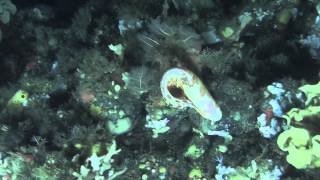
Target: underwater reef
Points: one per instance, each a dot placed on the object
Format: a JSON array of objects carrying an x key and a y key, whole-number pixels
[{"x": 159, "y": 89}]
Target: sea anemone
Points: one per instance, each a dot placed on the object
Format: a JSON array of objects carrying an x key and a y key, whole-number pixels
[{"x": 182, "y": 88}]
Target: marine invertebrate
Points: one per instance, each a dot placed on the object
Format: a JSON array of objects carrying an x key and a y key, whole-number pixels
[
  {"x": 182, "y": 88},
  {"x": 303, "y": 142},
  {"x": 303, "y": 149}
]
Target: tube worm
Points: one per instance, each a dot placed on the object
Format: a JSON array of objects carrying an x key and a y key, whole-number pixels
[{"x": 182, "y": 88}]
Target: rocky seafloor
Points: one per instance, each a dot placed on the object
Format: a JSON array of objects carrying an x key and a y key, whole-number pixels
[{"x": 159, "y": 89}]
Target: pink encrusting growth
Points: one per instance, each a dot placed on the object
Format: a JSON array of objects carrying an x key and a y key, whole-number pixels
[{"x": 182, "y": 88}]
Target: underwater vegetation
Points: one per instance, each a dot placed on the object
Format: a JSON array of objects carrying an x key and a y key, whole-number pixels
[{"x": 159, "y": 89}]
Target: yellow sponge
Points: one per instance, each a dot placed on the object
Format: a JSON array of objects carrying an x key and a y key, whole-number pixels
[
  {"x": 303, "y": 151},
  {"x": 299, "y": 158},
  {"x": 311, "y": 91},
  {"x": 297, "y": 137}
]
